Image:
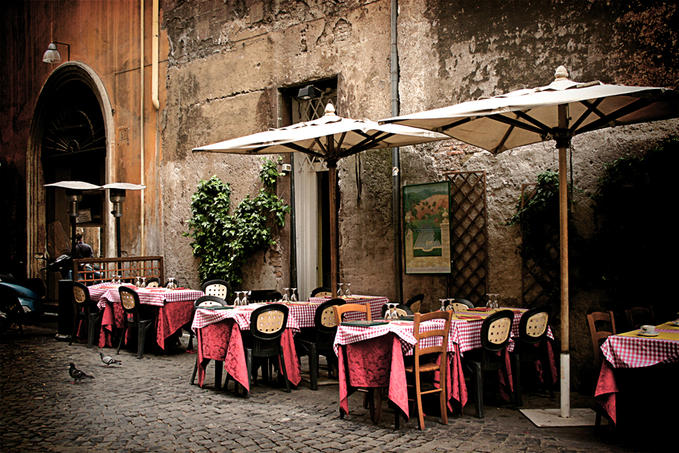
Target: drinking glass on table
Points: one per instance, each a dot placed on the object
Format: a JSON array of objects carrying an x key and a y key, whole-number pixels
[
  {"x": 339, "y": 289},
  {"x": 286, "y": 298},
  {"x": 143, "y": 282},
  {"x": 137, "y": 281},
  {"x": 293, "y": 297},
  {"x": 171, "y": 284},
  {"x": 443, "y": 304},
  {"x": 347, "y": 292}
]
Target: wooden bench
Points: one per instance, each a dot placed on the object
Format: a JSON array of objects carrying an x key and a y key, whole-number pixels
[{"x": 95, "y": 270}]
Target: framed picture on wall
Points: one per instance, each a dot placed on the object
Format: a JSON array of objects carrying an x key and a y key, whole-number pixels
[{"x": 426, "y": 228}]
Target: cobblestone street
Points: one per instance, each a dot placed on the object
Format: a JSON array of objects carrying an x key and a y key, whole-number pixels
[{"x": 149, "y": 405}]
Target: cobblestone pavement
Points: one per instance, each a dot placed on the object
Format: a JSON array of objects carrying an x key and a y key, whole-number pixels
[{"x": 149, "y": 405}]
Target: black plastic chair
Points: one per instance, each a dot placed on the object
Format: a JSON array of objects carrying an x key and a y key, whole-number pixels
[
  {"x": 206, "y": 302},
  {"x": 267, "y": 324},
  {"x": 264, "y": 295},
  {"x": 401, "y": 310},
  {"x": 153, "y": 282},
  {"x": 531, "y": 346},
  {"x": 84, "y": 309},
  {"x": 216, "y": 287},
  {"x": 496, "y": 331},
  {"x": 320, "y": 291},
  {"x": 319, "y": 341},
  {"x": 134, "y": 317},
  {"x": 415, "y": 303}
]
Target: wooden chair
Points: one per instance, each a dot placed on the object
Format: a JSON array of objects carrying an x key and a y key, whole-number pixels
[
  {"x": 429, "y": 360},
  {"x": 319, "y": 340},
  {"x": 495, "y": 334},
  {"x": 595, "y": 320},
  {"x": 134, "y": 316},
  {"x": 638, "y": 316},
  {"x": 207, "y": 302},
  {"x": 267, "y": 324},
  {"x": 84, "y": 309},
  {"x": 216, "y": 287},
  {"x": 340, "y": 310},
  {"x": 531, "y": 346},
  {"x": 415, "y": 303}
]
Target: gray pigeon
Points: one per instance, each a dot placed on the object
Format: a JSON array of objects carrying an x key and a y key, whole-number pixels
[
  {"x": 108, "y": 360},
  {"x": 77, "y": 374}
]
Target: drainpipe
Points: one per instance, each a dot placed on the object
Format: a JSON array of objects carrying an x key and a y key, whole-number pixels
[
  {"x": 154, "y": 63},
  {"x": 396, "y": 158},
  {"x": 141, "y": 121}
]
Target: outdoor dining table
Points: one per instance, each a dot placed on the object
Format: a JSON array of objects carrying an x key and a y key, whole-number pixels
[
  {"x": 375, "y": 302},
  {"x": 219, "y": 334},
  {"x": 174, "y": 309},
  {"x": 373, "y": 355},
  {"x": 634, "y": 350}
]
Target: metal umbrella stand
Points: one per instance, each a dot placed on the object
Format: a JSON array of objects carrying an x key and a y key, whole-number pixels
[{"x": 558, "y": 111}]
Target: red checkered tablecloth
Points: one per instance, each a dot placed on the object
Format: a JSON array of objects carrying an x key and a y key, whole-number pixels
[
  {"x": 240, "y": 314},
  {"x": 376, "y": 303},
  {"x": 632, "y": 351},
  {"x": 106, "y": 292}
]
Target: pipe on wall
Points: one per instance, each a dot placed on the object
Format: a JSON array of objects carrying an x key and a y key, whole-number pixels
[
  {"x": 141, "y": 122},
  {"x": 154, "y": 55},
  {"x": 396, "y": 158}
]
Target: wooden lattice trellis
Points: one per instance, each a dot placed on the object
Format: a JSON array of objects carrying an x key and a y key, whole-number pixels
[{"x": 469, "y": 236}]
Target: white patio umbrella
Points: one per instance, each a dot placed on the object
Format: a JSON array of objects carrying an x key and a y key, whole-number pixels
[
  {"x": 557, "y": 111},
  {"x": 330, "y": 138}
]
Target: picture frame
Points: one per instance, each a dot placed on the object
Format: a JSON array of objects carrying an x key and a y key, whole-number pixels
[{"x": 426, "y": 228}]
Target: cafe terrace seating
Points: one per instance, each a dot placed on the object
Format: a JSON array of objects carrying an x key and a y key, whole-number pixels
[
  {"x": 601, "y": 326},
  {"x": 319, "y": 340},
  {"x": 429, "y": 361},
  {"x": 267, "y": 324},
  {"x": 215, "y": 287},
  {"x": 461, "y": 304},
  {"x": 401, "y": 310},
  {"x": 415, "y": 302},
  {"x": 321, "y": 291},
  {"x": 531, "y": 346},
  {"x": 493, "y": 356},
  {"x": 84, "y": 309},
  {"x": 153, "y": 282},
  {"x": 134, "y": 317},
  {"x": 340, "y": 310}
]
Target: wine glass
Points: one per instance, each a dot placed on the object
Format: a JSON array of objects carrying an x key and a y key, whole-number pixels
[
  {"x": 286, "y": 298},
  {"x": 236, "y": 301},
  {"x": 245, "y": 296},
  {"x": 137, "y": 281},
  {"x": 347, "y": 292},
  {"x": 143, "y": 282},
  {"x": 171, "y": 283},
  {"x": 489, "y": 304},
  {"x": 339, "y": 289},
  {"x": 293, "y": 297},
  {"x": 443, "y": 304}
]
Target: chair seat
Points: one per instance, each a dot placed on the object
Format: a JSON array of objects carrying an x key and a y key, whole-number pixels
[{"x": 424, "y": 368}]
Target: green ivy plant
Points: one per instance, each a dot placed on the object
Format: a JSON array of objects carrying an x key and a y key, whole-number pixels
[{"x": 222, "y": 240}]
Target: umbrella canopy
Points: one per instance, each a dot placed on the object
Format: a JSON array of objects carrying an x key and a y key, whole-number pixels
[
  {"x": 331, "y": 138},
  {"x": 557, "y": 111}
]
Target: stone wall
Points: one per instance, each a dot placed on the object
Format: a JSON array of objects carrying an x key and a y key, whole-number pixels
[{"x": 228, "y": 60}]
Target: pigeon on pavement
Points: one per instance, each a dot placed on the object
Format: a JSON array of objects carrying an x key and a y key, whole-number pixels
[
  {"x": 108, "y": 360},
  {"x": 77, "y": 374}
]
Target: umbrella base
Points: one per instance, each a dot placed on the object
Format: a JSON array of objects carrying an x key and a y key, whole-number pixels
[{"x": 544, "y": 418}]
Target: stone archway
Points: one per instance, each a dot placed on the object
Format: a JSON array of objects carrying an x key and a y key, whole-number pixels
[{"x": 71, "y": 138}]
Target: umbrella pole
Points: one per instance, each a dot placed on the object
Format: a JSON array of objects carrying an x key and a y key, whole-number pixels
[
  {"x": 332, "y": 194},
  {"x": 562, "y": 144}
]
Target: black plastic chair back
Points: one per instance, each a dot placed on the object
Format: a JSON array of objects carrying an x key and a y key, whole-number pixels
[
  {"x": 216, "y": 287},
  {"x": 129, "y": 299},
  {"x": 272, "y": 328},
  {"x": 81, "y": 298},
  {"x": 264, "y": 295},
  {"x": 533, "y": 325},
  {"x": 415, "y": 298},
  {"x": 208, "y": 301},
  {"x": 320, "y": 289},
  {"x": 463, "y": 302},
  {"x": 325, "y": 318},
  {"x": 497, "y": 330}
]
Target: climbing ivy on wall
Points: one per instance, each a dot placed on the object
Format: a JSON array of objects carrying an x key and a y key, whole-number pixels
[{"x": 222, "y": 240}]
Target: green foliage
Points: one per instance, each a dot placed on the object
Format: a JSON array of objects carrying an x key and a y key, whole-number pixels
[
  {"x": 224, "y": 241},
  {"x": 634, "y": 208}
]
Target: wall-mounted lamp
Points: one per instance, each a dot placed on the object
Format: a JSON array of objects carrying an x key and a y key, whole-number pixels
[
  {"x": 308, "y": 92},
  {"x": 52, "y": 55}
]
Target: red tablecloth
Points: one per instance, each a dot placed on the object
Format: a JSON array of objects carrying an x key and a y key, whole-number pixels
[
  {"x": 632, "y": 351},
  {"x": 222, "y": 341},
  {"x": 174, "y": 309},
  {"x": 240, "y": 316}
]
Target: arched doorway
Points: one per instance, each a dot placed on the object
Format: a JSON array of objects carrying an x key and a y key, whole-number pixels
[{"x": 70, "y": 140}]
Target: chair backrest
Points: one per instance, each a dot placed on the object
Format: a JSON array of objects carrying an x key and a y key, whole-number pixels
[
  {"x": 533, "y": 325},
  {"x": 129, "y": 299},
  {"x": 216, "y": 287},
  {"x": 401, "y": 310},
  {"x": 321, "y": 291},
  {"x": 496, "y": 330},
  {"x": 267, "y": 323},
  {"x": 340, "y": 310},
  {"x": 420, "y": 335},
  {"x": 153, "y": 282},
  {"x": 415, "y": 302},
  {"x": 209, "y": 301},
  {"x": 598, "y": 335},
  {"x": 325, "y": 320},
  {"x": 638, "y": 316},
  {"x": 264, "y": 295},
  {"x": 465, "y": 302},
  {"x": 81, "y": 296}
]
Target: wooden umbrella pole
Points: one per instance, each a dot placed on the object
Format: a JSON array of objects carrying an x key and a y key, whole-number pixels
[
  {"x": 334, "y": 255},
  {"x": 562, "y": 144}
]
